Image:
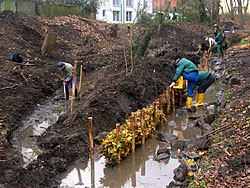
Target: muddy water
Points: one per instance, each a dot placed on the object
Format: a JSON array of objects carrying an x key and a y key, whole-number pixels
[
  {"x": 45, "y": 115},
  {"x": 139, "y": 170}
]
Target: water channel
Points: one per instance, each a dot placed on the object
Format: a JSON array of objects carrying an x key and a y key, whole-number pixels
[{"x": 138, "y": 170}]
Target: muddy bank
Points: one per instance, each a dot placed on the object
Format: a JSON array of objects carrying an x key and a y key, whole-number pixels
[{"x": 227, "y": 161}]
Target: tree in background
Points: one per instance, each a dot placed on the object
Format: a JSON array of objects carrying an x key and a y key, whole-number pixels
[
  {"x": 238, "y": 6},
  {"x": 193, "y": 10}
]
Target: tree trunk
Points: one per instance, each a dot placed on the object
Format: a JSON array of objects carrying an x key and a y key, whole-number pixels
[
  {"x": 240, "y": 13},
  {"x": 48, "y": 43},
  {"x": 202, "y": 11},
  {"x": 232, "y": 10},
  {"x": 245, "y": 8},
  {"x": 37, "y": 7}
]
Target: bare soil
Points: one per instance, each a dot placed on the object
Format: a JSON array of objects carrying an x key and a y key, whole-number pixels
[{"x": 109, "y": 95}]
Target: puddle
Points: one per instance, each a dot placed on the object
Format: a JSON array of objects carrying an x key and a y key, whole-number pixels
[
  {"x": 44, "y": 115},
  {"x": 139, "y": 169}
]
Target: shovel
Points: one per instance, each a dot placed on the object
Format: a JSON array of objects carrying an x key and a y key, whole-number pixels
[{"x": 156, "y": 92}]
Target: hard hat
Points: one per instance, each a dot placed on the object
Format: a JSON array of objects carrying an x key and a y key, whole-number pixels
[{"x": 60, "y": 65}]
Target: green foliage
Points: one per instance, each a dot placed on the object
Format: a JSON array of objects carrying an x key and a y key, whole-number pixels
[
  {"x": 226, "y": 96},
  {"x": 145, "y": 19},
  {"x": 244, "y": 42},
  {"x": 194, "y": 11}
]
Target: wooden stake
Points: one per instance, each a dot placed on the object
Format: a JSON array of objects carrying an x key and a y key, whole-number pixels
[
  {"x": 181, "y": 92},
  {"x": 91, "y": 140},
  {"x": 155, "y": 109},
  {"x": 73, "y": 88},
  {"x": 143, "y": 125},
  {"x": 133, "y": 136},
  {"x": 80, "y": 82},
  {"x": 118, "y": 139},
  {"x": 173, "y": 99},
  {"x": 161, "y": 108},
  {"x": 168, "y": 99}
]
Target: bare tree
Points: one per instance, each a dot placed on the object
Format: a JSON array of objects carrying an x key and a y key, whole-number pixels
[
  {"x": 240, "y": 10},
  {"x": 230, "y": 8}
]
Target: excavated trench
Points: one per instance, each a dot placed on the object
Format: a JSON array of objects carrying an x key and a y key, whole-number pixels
[{"x": 141, "y": 169}]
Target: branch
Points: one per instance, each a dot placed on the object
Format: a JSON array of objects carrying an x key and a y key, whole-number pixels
[{"x": 10, "y": 87}]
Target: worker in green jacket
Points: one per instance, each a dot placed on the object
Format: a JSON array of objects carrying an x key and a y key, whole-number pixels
[
  {"x": 206, "y": 79},
  {"x": 185, "y": 70},
  {"x": 219, "y": 41}
]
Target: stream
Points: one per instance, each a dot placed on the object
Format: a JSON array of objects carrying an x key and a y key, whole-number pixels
[{"x": 137, "y": 170}]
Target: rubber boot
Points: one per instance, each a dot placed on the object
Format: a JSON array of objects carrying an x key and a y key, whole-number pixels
[
  {"x": 180, "y": 83},
  {"x": 200, "y": 99},
  {"x": 210, "y": 54},
  {"x": 189, "y": 102},
  {"x": 67, "y": 93}
]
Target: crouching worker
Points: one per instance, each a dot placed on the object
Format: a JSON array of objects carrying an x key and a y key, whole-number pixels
[
  {"x": 68, "y": 70},
  {"x": 185, "y": 69},
  {"x": 205, "y": 81}
]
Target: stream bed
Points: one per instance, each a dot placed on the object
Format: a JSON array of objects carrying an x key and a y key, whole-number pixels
[{"x": 138, "y": 170}]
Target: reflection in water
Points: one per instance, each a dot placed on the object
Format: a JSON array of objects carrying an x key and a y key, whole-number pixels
[{"x": 128, "y": 174}]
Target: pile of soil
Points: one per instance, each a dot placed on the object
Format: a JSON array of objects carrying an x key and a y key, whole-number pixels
[{"x": 111, "y": 92}]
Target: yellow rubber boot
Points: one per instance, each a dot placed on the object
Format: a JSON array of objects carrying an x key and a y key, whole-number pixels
[
  {"x": 180, "y": 83},
  {"x": 189, "y": 102},
  {"x": 210, "y": 54},
  {"x": 200, "y": 99}
]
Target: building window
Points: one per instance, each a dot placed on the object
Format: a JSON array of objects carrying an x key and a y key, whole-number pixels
[
  {"x": 129, "y": 3},
  {"x": 116, "y": 15},
  {"x": 103, "y": 13},
  {"x": 128, "y": 16},
  {"x": 116, "y": 2}
]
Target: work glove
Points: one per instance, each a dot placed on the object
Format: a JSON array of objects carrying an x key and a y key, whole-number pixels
[
  {"x": 65, "y": 82},
  {"x": 173, "y": 83}
]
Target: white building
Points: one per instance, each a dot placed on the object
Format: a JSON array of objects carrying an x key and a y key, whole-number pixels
[{"x": 122, "y": 11}]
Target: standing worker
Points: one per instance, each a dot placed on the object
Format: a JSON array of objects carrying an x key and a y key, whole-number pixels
[
  {"x": 68, "y": 70},
  {"x": 205, "y": 81},
  {"x": 219, "y": 40},
  {"x": 185, "y": 69},
  {"x": 212, "y": 46}
]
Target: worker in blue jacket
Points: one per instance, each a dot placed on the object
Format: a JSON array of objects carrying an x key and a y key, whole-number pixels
[
  {"x": 185, "y": 70},
  {"x": 206, "y": 79}
]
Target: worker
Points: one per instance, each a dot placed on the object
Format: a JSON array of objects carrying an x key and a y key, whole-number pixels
[
  {"x": 185, "y": 70},
  {"x": 205, "y": 81},
  {"x": 219, "y": 41},
  {"x": 68, "y": 70},
  {"x": 212, "y": 46}
]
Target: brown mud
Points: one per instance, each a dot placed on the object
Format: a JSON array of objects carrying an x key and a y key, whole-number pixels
[{"x": 109, "y": 97}]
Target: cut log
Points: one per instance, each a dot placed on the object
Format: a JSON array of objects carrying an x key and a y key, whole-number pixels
[{"x": 48, "y": 43}]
